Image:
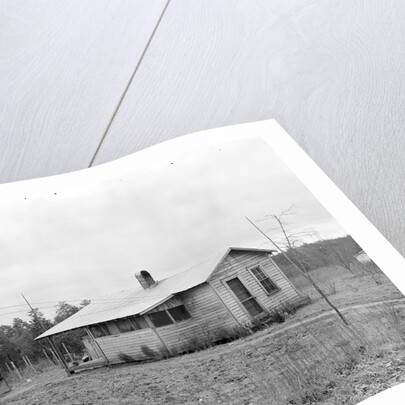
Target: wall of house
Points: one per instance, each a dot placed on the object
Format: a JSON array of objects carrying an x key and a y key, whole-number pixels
[
  {"x": 214, "y": 310},
  {"x": 235, "y": 265},
  {"x": 129, "y": 343},
  {"x": 210, "y": 319}
]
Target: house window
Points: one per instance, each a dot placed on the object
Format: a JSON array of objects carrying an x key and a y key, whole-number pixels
[
  {"x": 268, "y": 285},
  {"x": 99, "y": 330},
  {"x": 160, "y": 318},
  {"x": 179, "y": 313},
  {"x": 169, "y": 316},
  {"x": 139, "y": 322},
  {"x": 132, "y": 323},
  {"x": 244, "y": 296},
  {"x": 124, "y": 325}
]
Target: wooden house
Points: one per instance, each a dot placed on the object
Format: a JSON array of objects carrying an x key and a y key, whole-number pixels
[{"x": 226, "y": 291}]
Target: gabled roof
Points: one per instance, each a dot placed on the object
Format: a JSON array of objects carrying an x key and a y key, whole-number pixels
[{"x": 138, "y": 301}]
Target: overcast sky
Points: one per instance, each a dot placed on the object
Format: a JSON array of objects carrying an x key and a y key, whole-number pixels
[{"x": 163, "y": 216}]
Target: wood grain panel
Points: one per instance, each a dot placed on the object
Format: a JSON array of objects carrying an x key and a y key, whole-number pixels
[
  {"x": 329, "y": 71},
  {"x": 63, "y": 68}
]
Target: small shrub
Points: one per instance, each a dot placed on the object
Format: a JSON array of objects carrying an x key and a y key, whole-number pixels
[
  {"x": 193, "y": 342},
  {"x": 240, "y": 331},
  {"x": 150, "y": 353},
  {"x": 192, "y": 345},
  {"x": 259, "y": 324},
  {"x": 278, "y": 317},
  {"x": 287, "y": 308},
  {"x": 164, "y": 353},
  {"x": 222, "y": 335},
  {"x": 207, "y": 338},
  {"x": 125, "y": 357}
]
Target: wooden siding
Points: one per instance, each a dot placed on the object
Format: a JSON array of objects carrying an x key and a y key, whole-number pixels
[
  {"x": 236, "y": 265},
  {"x": 129, "y": 343},
  {"x": 92, "y": 349},
  {"x": 209, "y": 318}
]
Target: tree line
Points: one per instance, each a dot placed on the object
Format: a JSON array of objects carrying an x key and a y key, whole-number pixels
[
  {"x": 321, "y": 253},
  {"x": 18, "y": 339}
]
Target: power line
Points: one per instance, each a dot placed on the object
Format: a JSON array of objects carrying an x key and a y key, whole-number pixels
[
  {"x": 43, "y": 302},
  {"x": 19, "y": 312},
  {"x": 123, "y": 300},
  {"x": 94, "y": 300},
  {"x": 100, "y": 301}
]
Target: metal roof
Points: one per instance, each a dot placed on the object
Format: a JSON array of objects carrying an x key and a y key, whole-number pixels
[{"x": 138, "y": 301}]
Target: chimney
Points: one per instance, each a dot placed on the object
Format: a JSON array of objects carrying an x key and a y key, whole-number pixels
[{"x": 145, "y": 279}]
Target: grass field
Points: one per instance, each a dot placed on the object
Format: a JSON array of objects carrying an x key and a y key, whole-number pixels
[{"x": 311, "y": 358}]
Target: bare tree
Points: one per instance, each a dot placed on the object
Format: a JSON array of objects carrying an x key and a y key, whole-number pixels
[{"x": 300, "y": 265}]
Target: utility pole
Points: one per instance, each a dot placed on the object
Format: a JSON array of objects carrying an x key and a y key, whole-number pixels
[{"x": 51, "y": 341}]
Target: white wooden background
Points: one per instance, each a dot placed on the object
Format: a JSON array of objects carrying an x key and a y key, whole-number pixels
[{"x": 86, "y": 82}]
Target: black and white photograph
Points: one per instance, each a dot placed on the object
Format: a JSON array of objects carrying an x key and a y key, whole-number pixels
[
  {"x": 205, "y": 274},
  {"x": 202, "y": 202}
]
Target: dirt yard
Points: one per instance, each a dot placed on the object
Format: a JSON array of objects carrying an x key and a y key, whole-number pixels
[{"x": 311, "y": 358}]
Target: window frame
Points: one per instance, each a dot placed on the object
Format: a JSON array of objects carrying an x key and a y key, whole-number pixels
[
  {"x": 117, "y": 321},
  {"x": 186, "y": 311},
  {"x": 139, "y": 322},
  {"x": 151, "y": 314},
  {"x": 170, "y": 316},
  {"x": 238, "y": 301},
  {"x": 134, "y": 321},
  {"x": 103, "y": 327},
  {"x": 276, "y": 289}
]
